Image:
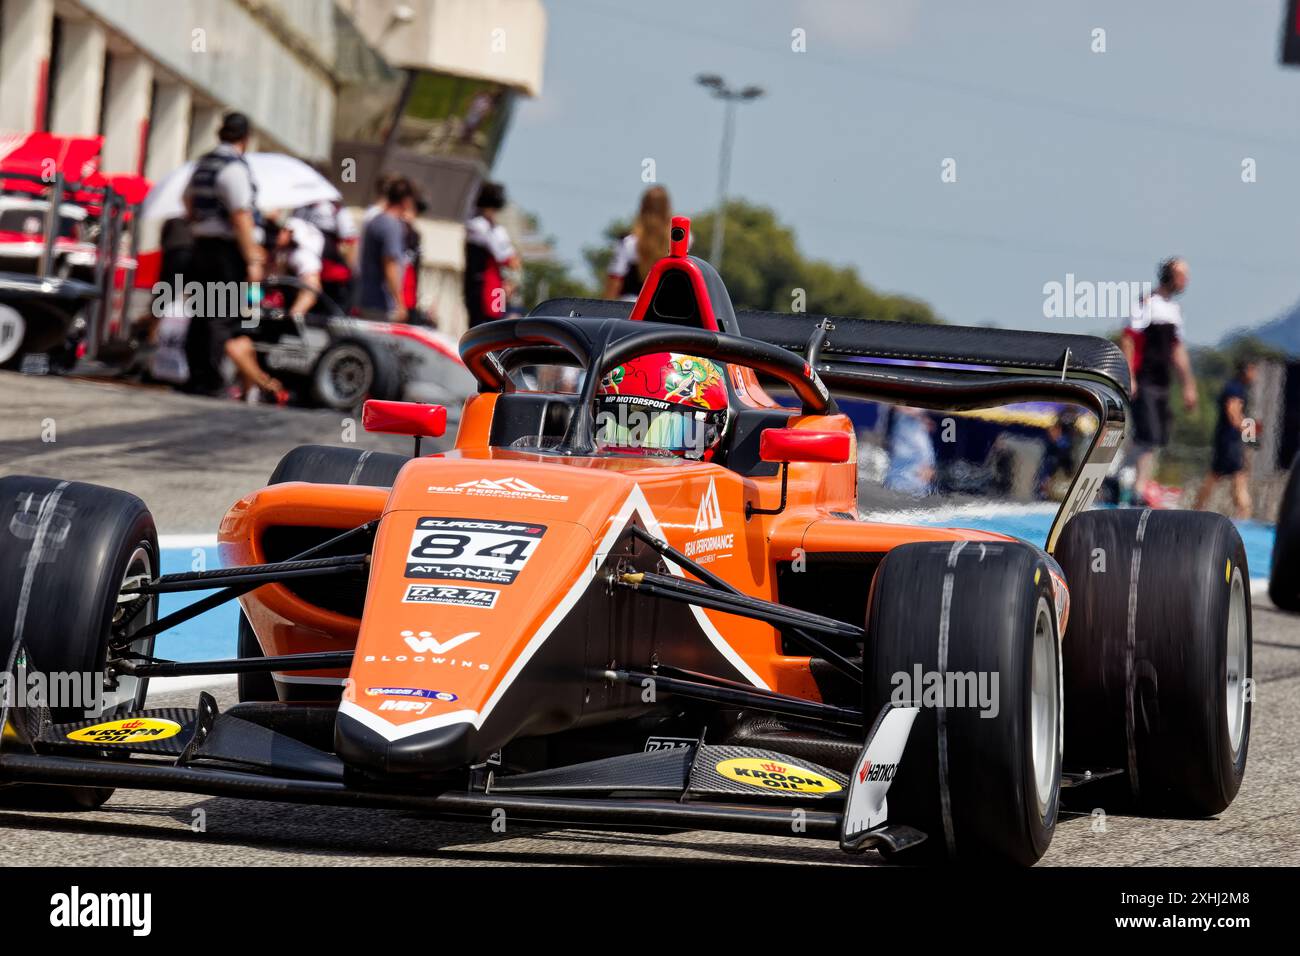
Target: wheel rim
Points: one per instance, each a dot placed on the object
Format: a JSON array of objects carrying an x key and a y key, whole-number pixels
[
  {"x": 138, "y": 570},
  {"x": 1045, "y": 708},
  {"x": 12, "y": 329},
  {"x": 346, "y": 377},
  {"x": 1235, "y": 672}
]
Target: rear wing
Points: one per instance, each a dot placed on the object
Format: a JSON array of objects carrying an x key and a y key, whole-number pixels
[{"x": 1004, "y": 351}]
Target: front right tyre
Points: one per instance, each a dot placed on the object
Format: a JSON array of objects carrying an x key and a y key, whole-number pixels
[{"x": 69, "y": 553}]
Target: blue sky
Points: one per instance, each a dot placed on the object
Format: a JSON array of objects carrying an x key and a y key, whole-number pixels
[{"x": 1067, "y": 160}]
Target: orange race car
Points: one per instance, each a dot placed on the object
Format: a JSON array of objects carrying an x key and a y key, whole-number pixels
[{"x": 639, "y": 593}]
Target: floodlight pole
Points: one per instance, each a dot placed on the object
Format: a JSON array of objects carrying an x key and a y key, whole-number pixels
[{"x": 730, "y": 97}]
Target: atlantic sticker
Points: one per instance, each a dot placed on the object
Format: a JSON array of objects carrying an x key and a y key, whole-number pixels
[{"x": 479, "y": 551}]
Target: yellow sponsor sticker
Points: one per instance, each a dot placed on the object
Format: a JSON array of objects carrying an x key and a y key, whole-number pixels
[
  {"x": 135, "y": 730},
  {"x": 766, "y": 774}
]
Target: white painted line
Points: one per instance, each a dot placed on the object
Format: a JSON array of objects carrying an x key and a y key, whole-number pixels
[
  {"x": 977, "y": 510},
  {"x": 179, "y": 685},
  {"x": 187, "y": 540}
]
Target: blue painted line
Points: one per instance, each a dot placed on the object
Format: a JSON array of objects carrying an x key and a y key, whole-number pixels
[
  {"x": 209, "y": 636},
  {"x": 1255, "y": 535},
  {"x": 214, "y": 635}
]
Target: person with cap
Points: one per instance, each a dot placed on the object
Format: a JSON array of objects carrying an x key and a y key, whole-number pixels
[
  {"x": 220, "y": 204},
  {"x": 383, "y": 258},
  {"x": 488, "y": 254}
]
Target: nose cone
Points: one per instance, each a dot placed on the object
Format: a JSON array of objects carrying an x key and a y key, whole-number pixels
[{"x": 450, "y": 747}]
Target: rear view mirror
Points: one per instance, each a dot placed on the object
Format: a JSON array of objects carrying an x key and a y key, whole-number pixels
[
  {"x": 795, "y": 444},
  {"x": 404, "y": 418}
]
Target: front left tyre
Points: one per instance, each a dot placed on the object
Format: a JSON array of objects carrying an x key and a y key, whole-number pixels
[
  {"x": 68, "y": 551},
  {"x": 968, "y": 631}
]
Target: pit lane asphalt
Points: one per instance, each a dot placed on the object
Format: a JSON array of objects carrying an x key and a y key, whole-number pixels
[{"x": 190, "y": 458}]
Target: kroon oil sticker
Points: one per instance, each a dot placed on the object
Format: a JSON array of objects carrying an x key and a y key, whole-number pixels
[
  {"x": 773, "y": 775},
  {"x": 136, "y": 730}
]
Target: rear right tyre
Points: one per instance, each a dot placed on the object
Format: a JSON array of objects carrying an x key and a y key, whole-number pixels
[
  {"x": 1158, "y": 655},
  {"x": 1284, "y": 579}
]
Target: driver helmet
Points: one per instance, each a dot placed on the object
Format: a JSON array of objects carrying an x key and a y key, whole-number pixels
[{"x": 662, "y": 403}]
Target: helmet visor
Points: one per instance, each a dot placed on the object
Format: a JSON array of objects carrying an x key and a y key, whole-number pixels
[{"x": 654, "y": 427}]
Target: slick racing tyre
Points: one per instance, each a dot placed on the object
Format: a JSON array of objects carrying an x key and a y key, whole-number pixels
[
  {"x": 255, "y": 685},
  {"x": 67, "y": 551},
  {"x": 968, "y": 631},
  {"x": 352, "y": 370},
  {"x": 1158, "y": 655},
  {"x": 330, "y": 465},
  {"x": 1284, "y": 580},
  {"x": 13, "y": 330}
]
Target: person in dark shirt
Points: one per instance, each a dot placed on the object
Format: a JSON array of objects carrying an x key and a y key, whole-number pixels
[
  {"x": 1231, "y": 433},
  {"x": 381, "y": 292}
]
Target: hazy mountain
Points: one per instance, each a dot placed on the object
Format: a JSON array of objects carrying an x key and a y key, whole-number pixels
[{"x": 1281, "y": 333}]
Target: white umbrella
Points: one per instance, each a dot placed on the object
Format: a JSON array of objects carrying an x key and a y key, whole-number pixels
[{"x": 283, "y": 182}]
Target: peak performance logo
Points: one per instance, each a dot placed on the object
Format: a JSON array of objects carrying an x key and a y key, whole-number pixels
[
  {"x": 504, "y": 484},
  {"x": 515, "y": 488},
  {"x": 709, "y": 517}
]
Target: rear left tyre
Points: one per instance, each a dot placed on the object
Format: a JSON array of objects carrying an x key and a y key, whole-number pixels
[{"x": 252, "y": 685}]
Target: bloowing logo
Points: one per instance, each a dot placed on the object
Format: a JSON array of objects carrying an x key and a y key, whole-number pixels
[
  {"x": 709, "y": 517},
  {"x": 425, "y": 643}
]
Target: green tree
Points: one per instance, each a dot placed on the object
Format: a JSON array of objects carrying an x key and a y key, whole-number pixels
[
  {"x": 547, "y": 277},
  {"x": 550, "y": 279}
]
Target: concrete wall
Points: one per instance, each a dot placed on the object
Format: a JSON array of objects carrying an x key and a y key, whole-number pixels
[
  {"x": 25, "y": 35},
  {"x": 499, "y": 40},
  {"x": 228, "y": 55},
  {"x": 79, "y": 78}
]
